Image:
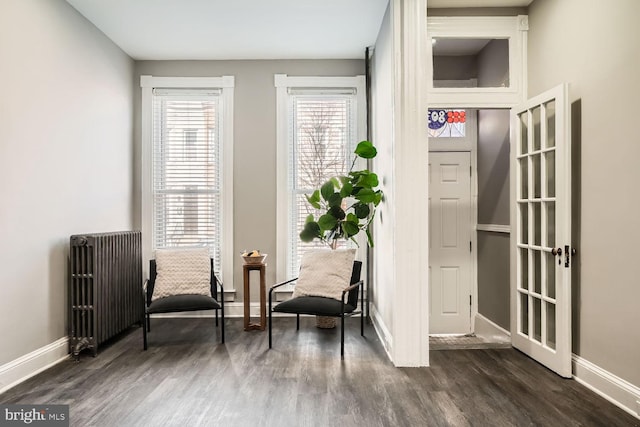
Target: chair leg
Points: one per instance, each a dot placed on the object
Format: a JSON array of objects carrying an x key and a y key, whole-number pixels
[
  {"x": 221, "y": 324},
  {"x": 342, "y": 336},
  {"x": 148, "y": 323},
  {"x": 144, "y": 333},
  {"x": 216, "y": 317},
  {"x": 297, "y": 322},
  {"x": 362, "y": 323},
  {"x": 270, "y": 321}
]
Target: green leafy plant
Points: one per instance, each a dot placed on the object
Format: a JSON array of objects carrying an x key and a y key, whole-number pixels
[{"x": 349, "y": 203}]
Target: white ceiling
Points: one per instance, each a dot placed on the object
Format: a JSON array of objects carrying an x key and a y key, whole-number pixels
[
  {"x": 237, "y": 29},
  {"x": 247, "y": 29}
]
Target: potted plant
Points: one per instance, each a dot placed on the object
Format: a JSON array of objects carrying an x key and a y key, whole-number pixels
[{"x": 347, "y": 205}]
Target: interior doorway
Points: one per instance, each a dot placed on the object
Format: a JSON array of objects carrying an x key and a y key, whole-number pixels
[{"x": 469, "y": 279}]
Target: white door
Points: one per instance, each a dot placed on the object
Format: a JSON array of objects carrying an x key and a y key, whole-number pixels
[
  {"x": 541, "y": 230},
  {"x": 450, "y": 242}
]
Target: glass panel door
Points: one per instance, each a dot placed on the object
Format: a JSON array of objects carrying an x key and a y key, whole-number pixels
[{"x": 541, "y": 288}]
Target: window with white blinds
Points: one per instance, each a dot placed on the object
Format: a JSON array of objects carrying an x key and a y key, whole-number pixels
[
  {"x": 187, "y": 158},
  {"x": 322, "y": 139},
  {"x": 187, "y": 169},
  {"x": 320, "y": 120}
]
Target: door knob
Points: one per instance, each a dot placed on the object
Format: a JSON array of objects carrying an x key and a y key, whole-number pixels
[{"x": 557, "y": 251}]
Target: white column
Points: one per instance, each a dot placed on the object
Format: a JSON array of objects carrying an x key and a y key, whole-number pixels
[{"x": 410, "y": 326}]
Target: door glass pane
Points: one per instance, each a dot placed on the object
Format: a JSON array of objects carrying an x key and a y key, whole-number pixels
[
  {"x": 524, "y": 133},
  {"x": 524, "y": 313},
  {"x": 524, "y": 178},
  {"x": 524, "y": 222},
  {"x": 537, "y": 269},
  {"x": 550, "y": 267},
  {"x": 551, "y": 324},
  {"x": 537, "y": 319},
  {"x": 536, "y": 128},
  {"x": 523, "y": 264},
  {"x": 550, "y": 170},
  {"x": 537, "y": 223},
  {"x": 551, "y": 124},
  {"x": 550, "y": 208},
  {"x": 537, "y": 176},
  {"x": 459, "y": 62}
]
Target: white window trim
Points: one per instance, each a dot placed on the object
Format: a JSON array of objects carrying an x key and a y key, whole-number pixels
[
  {"x": 282, "y": 83},
  {"x": 513, "y": 28},
  {"x": 226, "y": 84}
]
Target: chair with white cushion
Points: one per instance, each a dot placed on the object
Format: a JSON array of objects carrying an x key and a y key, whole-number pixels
[
  {"x": 328, "y": 285},
  {"x": 182, "y": 280}
]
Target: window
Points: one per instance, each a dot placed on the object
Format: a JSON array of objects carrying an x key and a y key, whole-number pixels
[
  {"x": 475, "y": 58},
  {"x": 187, "y": 165},
  {"x": 319, "y": 125}
]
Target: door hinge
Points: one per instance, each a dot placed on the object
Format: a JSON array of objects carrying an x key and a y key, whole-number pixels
[
  {"x": 470, "y": 174},
  {"x": 470, "y": 300},
  {"x": 470, "y": 250}
]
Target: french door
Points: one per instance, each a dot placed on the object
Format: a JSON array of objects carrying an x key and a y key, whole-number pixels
[{"x": 541, "y": 229}]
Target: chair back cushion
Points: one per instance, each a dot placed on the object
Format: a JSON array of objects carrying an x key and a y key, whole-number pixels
[
  {"x": 182, "y": 272},
  {"x": 325, "y": 273}
]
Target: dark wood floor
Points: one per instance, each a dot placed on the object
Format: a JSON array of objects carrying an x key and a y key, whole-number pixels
[{"x": 187, "y": 379}]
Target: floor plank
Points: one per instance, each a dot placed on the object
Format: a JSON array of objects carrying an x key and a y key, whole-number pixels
[{"x": 187, "y": 378}]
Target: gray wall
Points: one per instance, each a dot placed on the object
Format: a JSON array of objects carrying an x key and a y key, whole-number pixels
[
  {"x": 493, "y": 208},
  {"x": 493, "y": 64},
  {"x": 594, "y": 47},
  {"x": 464, "y": 67},
  {"x": 493, "y": 167},
  {"x": 254, "y": 168},
  {"x": 66, "y": 158}
]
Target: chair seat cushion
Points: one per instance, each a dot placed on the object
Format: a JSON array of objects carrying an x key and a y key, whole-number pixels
[
  {"x": 182, "y": 303},
  {"x": 319, "y": 306}
]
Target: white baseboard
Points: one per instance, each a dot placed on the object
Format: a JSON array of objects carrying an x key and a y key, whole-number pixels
[
  {"x": 24, "y": 367},
  {"x": 381, "y": 330},
  {"x": 486, "y": 327},
  {"x": 613, "y": 388}
]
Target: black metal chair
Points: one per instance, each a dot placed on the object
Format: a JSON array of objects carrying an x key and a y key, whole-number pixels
[
  {"x": 177, "y": 303},
  {"x": 321, "y": 306}
]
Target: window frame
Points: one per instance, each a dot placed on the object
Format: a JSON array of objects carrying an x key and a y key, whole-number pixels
[
  {"x": 283, "y": 84},
  {"x": 226, "y": 86},
  {"x": 512, "y": 28}
]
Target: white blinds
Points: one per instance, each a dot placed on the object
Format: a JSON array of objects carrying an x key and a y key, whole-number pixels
[
  {"x": 186, "y": 169},
  {"x": 322, "y": 139}
]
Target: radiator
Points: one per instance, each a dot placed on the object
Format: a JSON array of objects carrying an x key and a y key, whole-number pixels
[{"x": 105, "y": 287}]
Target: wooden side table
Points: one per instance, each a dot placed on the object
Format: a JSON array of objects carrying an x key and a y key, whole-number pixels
[{"x": 248, "y": 325}]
